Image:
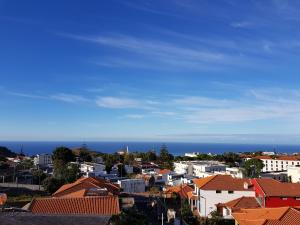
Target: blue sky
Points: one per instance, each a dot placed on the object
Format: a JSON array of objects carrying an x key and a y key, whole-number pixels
[{"x": 177, "y": 70}]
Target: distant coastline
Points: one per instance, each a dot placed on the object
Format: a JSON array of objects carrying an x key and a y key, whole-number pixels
[{"x": 176, "y": 148}]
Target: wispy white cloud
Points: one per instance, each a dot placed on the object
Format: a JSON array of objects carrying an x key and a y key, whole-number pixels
[
  {"x": 69, "y": 98},
  {"x": 26, "y": 95},
  {"x": 151, "y": 53},
  {"x": 117, "y": 103}
]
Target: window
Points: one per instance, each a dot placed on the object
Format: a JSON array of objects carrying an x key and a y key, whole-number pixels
[
  {"x": 284, "y": 198},
  {"x": 230, "y": 192},
  {"x": 218, "y": 191}
]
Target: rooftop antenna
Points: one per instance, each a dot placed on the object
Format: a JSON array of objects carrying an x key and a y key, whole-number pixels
[{"x": 21, "y": 151}]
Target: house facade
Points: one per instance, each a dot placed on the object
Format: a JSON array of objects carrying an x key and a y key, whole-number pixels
[
  {"x": 210, "y": 191},
  {"x": 272, "y": 193}
]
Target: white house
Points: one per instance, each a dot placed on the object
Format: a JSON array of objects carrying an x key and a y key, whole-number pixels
[
  {"x": 210, "y": 191},
  {"x": 294, "y": 174},
  {"x": 132, "y": 185},
  {"x": 199, "y": 168},
  {"x": 92, "y": 169},
  {"x": 43, "y": 160}
]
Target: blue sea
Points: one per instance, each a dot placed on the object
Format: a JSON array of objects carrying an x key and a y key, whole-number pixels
[{"x": 176, "y": 148}]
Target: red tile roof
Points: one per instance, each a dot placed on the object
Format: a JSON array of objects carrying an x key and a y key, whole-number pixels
[
  {"x": 165, "y": 171},
  {"x": 285, "y": 157},
  {"x": 86, "y": 183},
  {"x": 239, "y": 203},
  {"x": 274, "y": 188},
  {"x": 268, "y": 216},
  {"x": 223, "y": 182},
  {"x": 181, "y": 190},
  {"x": 3, "y": 198},
  {"x": 108, "y": 205}
]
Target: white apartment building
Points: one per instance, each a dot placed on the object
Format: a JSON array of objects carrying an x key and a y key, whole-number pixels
[
  {"x": 43, "y": 160},
  {"x": 92, "y": 169},
  {"x": 216, "y": 189},
  {"x": 280, "y": 163},
  {"x": 132, "y": 185},
  {"x": 199, "y": 168},
  {"x": 294, "y": 174}
]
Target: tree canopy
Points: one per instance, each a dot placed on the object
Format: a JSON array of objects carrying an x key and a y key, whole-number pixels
[
  {"x": 253, "y": 167},
  {"x": 64, "y": 154}
]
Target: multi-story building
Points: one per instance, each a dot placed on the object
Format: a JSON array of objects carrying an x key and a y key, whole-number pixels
[
  {"x": 43, "y": 160},
  {"x": 199, "y": 168},
  {"x": 293, "y": 174},
  {"x": 279, "y": 163},
  {"x": 210, "y": 191},
  {"x": 92, "y": 169}
]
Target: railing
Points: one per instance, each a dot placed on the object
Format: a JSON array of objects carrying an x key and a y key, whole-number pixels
[{"x": 27, "y": 186}]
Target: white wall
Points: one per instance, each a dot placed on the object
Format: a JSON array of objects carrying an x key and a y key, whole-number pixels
[
  {"x": 212, "y": 198},
  {"x": 294, "y": 173},
  {"x": 132, "y": 185}
]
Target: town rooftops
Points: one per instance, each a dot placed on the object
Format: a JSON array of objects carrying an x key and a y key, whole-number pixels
[
  {"x": 239, "y": 203},
  {"x": 223, "y": 182},
  {"x": 105, "y": 205},
  {"x": 276, "y": 188},
  {"x": 181, "y": 190},
  {"x": 86, "y": 183},
  {"x": 268, "y": 216},
  {"x": 25, "y": 218},
  {"x": 283, "y": 157},
  {"x": 165, "y": 171}
]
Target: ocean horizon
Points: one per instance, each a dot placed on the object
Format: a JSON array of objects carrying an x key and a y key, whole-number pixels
[{"x": 176, "y": 148}]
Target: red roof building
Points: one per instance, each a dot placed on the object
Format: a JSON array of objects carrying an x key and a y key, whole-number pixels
[
  {"x": 104, "y": 206},
  {"x": 226, "y": 209},
  {"x": 86, "y": 196},
  {"x": 272, "y": 193},
  {"x": 87, "y": 186},
  {"x": 268, "y": 216}
]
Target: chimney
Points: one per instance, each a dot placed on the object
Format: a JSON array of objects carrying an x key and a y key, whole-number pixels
[{"x": 246, "y": 185}]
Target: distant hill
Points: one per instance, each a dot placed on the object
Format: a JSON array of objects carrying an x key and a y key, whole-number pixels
[{"x": 5, "y": 152}]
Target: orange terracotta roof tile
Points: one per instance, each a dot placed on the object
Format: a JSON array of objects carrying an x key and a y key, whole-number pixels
[
  {"x": 165, "y": 171},
  {"x": 223, "y": 182},
  {"x": 3, "y": 198},
  {"x": 273, "y": 187},
  {"x": 243, "y": 202},
  {"x": 191, "y": 195},
  {"x": 203, "y": 181},
  {"x": 181, "y": 190},
  {"x": 108, "y": 205},
  {"x": 86, "y": 183},
  {"x": 268, "y": 216}
]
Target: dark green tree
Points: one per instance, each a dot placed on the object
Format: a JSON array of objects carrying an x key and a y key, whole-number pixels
[
  {"x": 121, "y": 170},
  {"x": 187, "y": 214},
  {"x": 64, "y": 154},
  {"x": 84, "y": 155},
  {"x": 129, "y": 158},
  {"x": 52, "y": 184},
  {"x": 129, "y": 217},
  {"x": 231, "y": 158},
  {"x": 151, "y": 181},
  {"x": 166, "y": 159},
  {"x": 253, "y": 167}
]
